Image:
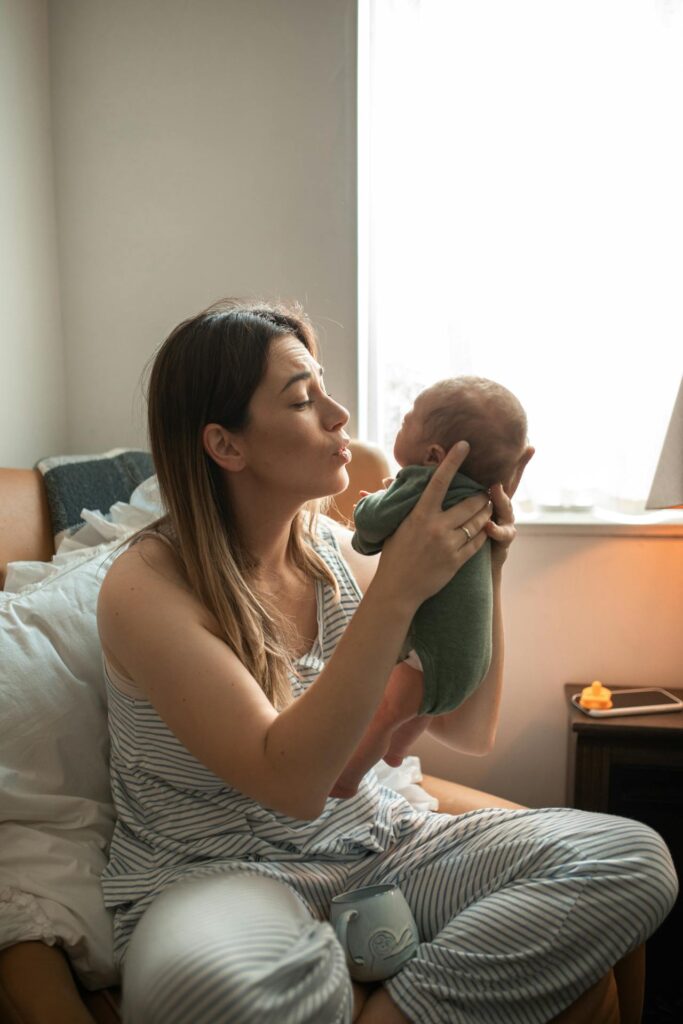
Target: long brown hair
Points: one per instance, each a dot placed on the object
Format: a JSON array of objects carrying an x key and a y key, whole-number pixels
[{"x": 206, "y": 372}]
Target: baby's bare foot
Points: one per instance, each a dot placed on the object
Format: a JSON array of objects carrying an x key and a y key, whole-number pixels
[
  {"x": 369, "y": 751},
  {"x": 403, "y": 739},
  {"x": 344, "y": 788}
]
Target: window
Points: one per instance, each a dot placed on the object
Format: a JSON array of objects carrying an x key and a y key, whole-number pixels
[{"x": 521, "y": 205}]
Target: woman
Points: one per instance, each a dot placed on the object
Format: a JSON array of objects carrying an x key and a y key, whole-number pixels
[{"x": 247, "y": 647}]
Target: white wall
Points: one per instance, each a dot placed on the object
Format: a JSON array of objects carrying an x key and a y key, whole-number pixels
[
  {"x": 32, "y": 414},
  {"x": 576, "y": 608},
  {"x": 202, "y": 149}
]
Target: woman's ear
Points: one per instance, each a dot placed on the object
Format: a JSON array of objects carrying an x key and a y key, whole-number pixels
[{"x": 223, "y": 446}]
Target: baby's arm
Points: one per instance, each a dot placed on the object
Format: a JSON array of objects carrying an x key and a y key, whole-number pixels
[{"x": 378, "y": 515}]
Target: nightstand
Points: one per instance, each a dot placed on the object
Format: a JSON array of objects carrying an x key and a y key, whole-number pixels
[{"x": 632, "y": 765}]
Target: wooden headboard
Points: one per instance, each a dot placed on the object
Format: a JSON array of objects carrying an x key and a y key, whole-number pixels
[{"x": 26, "y": 533}]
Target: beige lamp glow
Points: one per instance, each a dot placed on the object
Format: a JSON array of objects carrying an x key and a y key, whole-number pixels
[{"x": 667, "y": 486}]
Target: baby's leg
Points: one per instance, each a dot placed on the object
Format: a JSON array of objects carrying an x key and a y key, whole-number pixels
[
  {"x": 399, "y": 707},
  {"x": 403, "y": 738}
]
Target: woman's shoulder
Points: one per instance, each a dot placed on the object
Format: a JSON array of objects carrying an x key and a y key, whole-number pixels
[
  {"x": 148, "y": 561},
  {"x": 145, "y": 578},
  {"x": 363, "y": 567}
]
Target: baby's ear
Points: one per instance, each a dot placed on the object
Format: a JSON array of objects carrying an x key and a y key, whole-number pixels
[{"x": 435, "y": 455}]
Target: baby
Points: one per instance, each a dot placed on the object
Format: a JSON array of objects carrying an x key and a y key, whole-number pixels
[{"x": 450, "y": 636}]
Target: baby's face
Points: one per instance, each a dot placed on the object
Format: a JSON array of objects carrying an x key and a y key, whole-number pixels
[{"x": 411, "y": 447}]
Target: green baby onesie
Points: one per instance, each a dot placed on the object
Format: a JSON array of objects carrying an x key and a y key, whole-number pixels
[{"x": 451, "y": 631}]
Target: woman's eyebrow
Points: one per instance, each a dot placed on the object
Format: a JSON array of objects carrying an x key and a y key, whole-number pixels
[{"x": 304, "y": 375}]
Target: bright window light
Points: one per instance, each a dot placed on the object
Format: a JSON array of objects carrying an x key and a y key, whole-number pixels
[{"x": 521, "y": 202}]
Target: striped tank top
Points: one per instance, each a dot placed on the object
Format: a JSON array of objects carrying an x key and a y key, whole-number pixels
[{"x": 176, "y": 819}]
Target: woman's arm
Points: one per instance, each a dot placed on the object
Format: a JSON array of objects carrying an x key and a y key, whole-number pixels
[{"x": 161, "y": 636}]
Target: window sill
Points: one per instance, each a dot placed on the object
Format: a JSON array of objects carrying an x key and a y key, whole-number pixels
[{"x": 600, "y": 523}]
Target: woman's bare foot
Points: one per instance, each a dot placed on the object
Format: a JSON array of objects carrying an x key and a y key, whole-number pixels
[
  {"x": 361, "y": 994},
  {"x": 379, "y": 1008}
]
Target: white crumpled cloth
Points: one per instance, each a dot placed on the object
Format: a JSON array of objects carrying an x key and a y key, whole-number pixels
[{"x": 405, "y": 780}]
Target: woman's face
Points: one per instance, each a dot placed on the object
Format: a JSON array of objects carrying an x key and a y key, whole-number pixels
[{"x": 295, "y": 438}]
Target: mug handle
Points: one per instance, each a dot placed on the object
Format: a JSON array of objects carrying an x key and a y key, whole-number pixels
[{"x": 341, "y": 928}]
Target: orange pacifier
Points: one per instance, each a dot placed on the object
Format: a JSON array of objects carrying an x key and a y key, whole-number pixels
[{"x": 596, "y": 696}]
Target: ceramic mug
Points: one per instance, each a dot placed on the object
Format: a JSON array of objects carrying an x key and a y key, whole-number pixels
[{"x": 376, "y": 929}]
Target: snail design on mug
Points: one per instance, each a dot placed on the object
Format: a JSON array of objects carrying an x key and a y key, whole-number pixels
[{"x": 384, "y": 943}]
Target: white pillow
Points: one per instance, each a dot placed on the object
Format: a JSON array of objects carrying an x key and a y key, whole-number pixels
[{"x": 56, "y": 813}]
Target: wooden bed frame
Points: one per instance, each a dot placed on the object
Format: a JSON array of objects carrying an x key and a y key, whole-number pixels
[{"x": 37, "y": 985}]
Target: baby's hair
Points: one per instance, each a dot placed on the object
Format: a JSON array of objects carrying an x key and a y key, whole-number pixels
[{"x": 486, "y": 415}]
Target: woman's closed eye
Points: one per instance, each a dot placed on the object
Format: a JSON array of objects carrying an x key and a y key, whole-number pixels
[{"x": 310, "y": 401}]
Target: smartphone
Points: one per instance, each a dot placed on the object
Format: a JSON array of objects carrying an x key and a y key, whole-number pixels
[{"x": 645, "y": 701}]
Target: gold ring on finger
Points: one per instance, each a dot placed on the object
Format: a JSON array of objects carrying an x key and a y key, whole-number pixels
[{"x": 466, "y": 532}]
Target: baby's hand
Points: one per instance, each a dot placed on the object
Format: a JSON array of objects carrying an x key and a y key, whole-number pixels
[
  {"x": 361, "y": 494},
  {"x": 385, "y": 483}
]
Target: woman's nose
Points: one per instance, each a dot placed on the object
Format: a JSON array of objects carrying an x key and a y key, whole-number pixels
[{"x": 339, "y": 415}]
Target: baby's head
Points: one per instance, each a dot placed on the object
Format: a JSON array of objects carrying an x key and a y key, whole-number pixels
[{"x": 471, "y": 409}]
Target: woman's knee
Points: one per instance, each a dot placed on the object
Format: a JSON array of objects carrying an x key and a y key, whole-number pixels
[
  {"x": 635, "y": 859},
  {"x": 242, "y": 949},
  {"x": 655, "y": 868}
]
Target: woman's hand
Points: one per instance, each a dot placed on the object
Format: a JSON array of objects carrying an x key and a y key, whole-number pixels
[
  {"x": 432, "y": 544},
  {"x": 501, "y": 528}
]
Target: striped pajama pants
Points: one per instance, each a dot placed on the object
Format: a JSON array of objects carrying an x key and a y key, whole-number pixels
[{"x": 518, "y": 913}]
